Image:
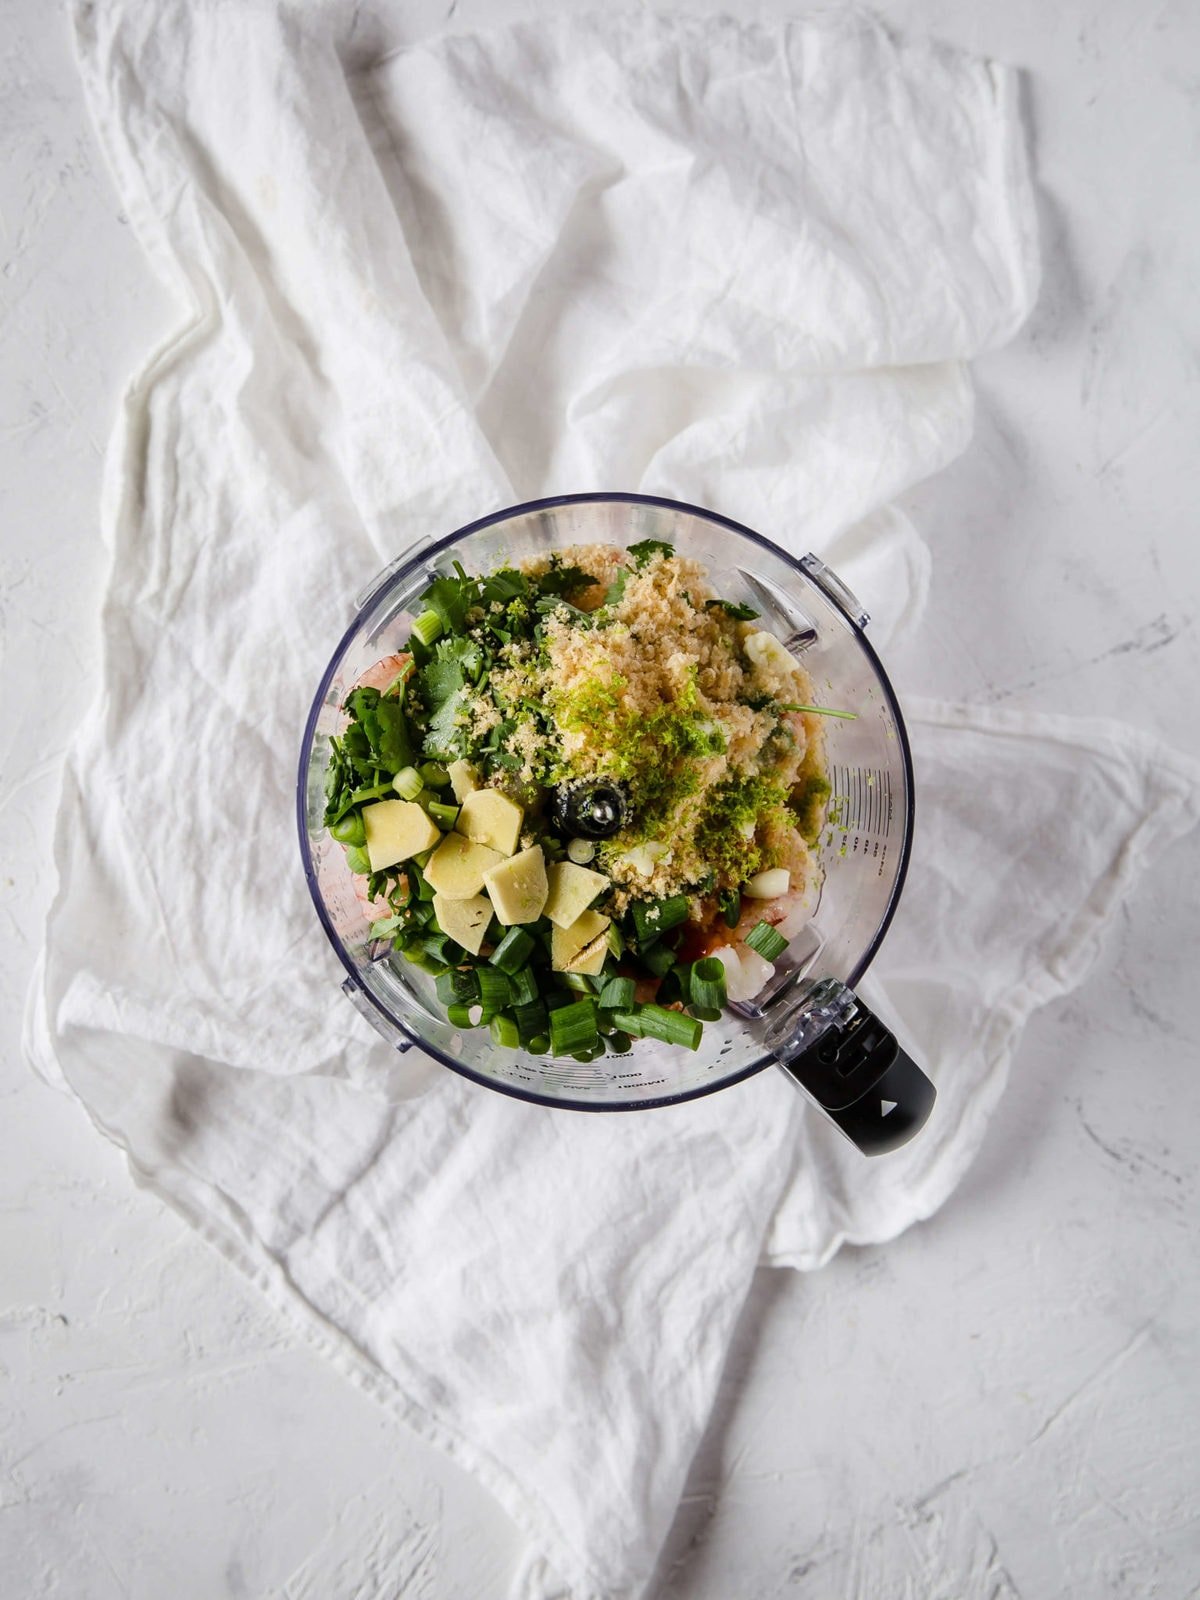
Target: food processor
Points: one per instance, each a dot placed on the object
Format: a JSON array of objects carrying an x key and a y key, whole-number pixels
[{"x": 808, "y": 1021}]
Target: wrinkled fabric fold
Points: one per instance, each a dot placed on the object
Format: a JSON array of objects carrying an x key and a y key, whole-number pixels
[{"x": 743, "y": 264}]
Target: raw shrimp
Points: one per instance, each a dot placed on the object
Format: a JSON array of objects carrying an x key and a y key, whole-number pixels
[
  {"x": 788, "y": 912},
  {"x": 384, "y": 673},
  {"x": 746, "y": 971},
  {"x": 373, "y": 909}
]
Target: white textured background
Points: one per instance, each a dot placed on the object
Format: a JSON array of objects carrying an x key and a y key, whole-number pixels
[{"x": 1004, "y": 1403}]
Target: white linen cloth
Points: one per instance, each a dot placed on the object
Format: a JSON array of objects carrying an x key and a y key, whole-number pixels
[{"x": 740, "y": 264}]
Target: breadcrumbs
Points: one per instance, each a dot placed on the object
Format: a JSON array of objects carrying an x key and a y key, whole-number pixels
[{"x": 685, "y": 705}]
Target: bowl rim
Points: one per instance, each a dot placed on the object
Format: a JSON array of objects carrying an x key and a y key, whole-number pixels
[{"x": 427, "y": 552}]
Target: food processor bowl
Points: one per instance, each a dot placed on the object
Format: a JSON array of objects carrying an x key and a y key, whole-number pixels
[{"x": 808, "y": 1020}]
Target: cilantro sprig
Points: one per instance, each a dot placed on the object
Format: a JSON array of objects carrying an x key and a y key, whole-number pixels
[
  {"x": 734, "y": 609},
  {"x": 443, "y": 686},
  {"x": 646, "y": 549},
  {"x": 375, "y": 745},
  {"x": 561, "y": 579}
]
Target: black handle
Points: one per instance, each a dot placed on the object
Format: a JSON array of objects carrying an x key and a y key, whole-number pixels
[{"x": 852, "y": 1066}]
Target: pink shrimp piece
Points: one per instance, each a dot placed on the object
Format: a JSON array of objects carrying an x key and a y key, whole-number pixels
[
  {"x": 384, "y": 673},
  {"x": 374, "y": 910},
  {"x": 789, "y": 912}
]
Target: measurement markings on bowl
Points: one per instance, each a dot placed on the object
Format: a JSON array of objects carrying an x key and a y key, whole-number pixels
[{"x": 861, "y": 810}]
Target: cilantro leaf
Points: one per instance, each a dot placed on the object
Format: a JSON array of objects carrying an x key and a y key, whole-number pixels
[
  {"x": 444, "y": 685},
  {"x": 563, "y": 580},
  {"x": 360, "y": 701},
  {"x": 646, "y": 548},
  {"x": 450, "y": 599},
  {"x": 375, "y": 745},
  {"x": 465, "y": 654},
  {"x": 444, "y": 738},
  {"x": 615, "y": 592},
  {"x": 554, "y": 604},
  {"x": 455, "y": 663},
  {"x": 734, "y": 609},
  {"x": 339, "y": 783},
  {"x": 356, "y": 747},
  {"x": 394, "y": 746},
  {"x": 504, "y": 586},
  {"x": 440, "y": 681}
]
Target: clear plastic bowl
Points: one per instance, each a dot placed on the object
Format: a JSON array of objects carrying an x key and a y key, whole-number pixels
[{"x": 863, "y": 852}]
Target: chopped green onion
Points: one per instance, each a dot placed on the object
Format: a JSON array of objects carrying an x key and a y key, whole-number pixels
[
  {"x": 538, "y": 1045},
  {"x": 592, "y": 1053},
  {"x": 581, "y": 851},
  {"x": 655, "y": 1022},
  {"x": 457, "y": 985},
  {"x": 619, "y": 1043},
  {"x": 434, "y": 774},
  {"x": 421, "y": 958},
  {"x": 505, "y": 1032},
  {"x": 428, "y": 627},
  {"x": 658, "y": 959},
  {"x": 557, "y": 998},
  {"x": 350, "y": 830},
  {"x": 616, "y": 945},
  {"x": 494, "y": 991},
  {"x": 513, "y": 951},
  {"x": 573, "y": 1028},
  {"x": 358, "y": 860},
  {"x": 462, "y": 1015},
  {"x": 444, "y": 816},
  {"x": 531, "y": 1018},
  {"x": 424, "y": 887},
  {"x": 767, "y": 941},
  {"x": 362, "y": 796},
  {"x": 576, "y": 981},
  {"x": 730, "y": 903},
  {"x": 654, "y": 917},
  {"x": 674, "y": 985},
  {"x": 524, "y": 986},
  {"x": 706, "y": 989},
  {"x": 617, "y": 993},
  {"x": 442, "y": 948},
  {"x": 407, "y": 783}
]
